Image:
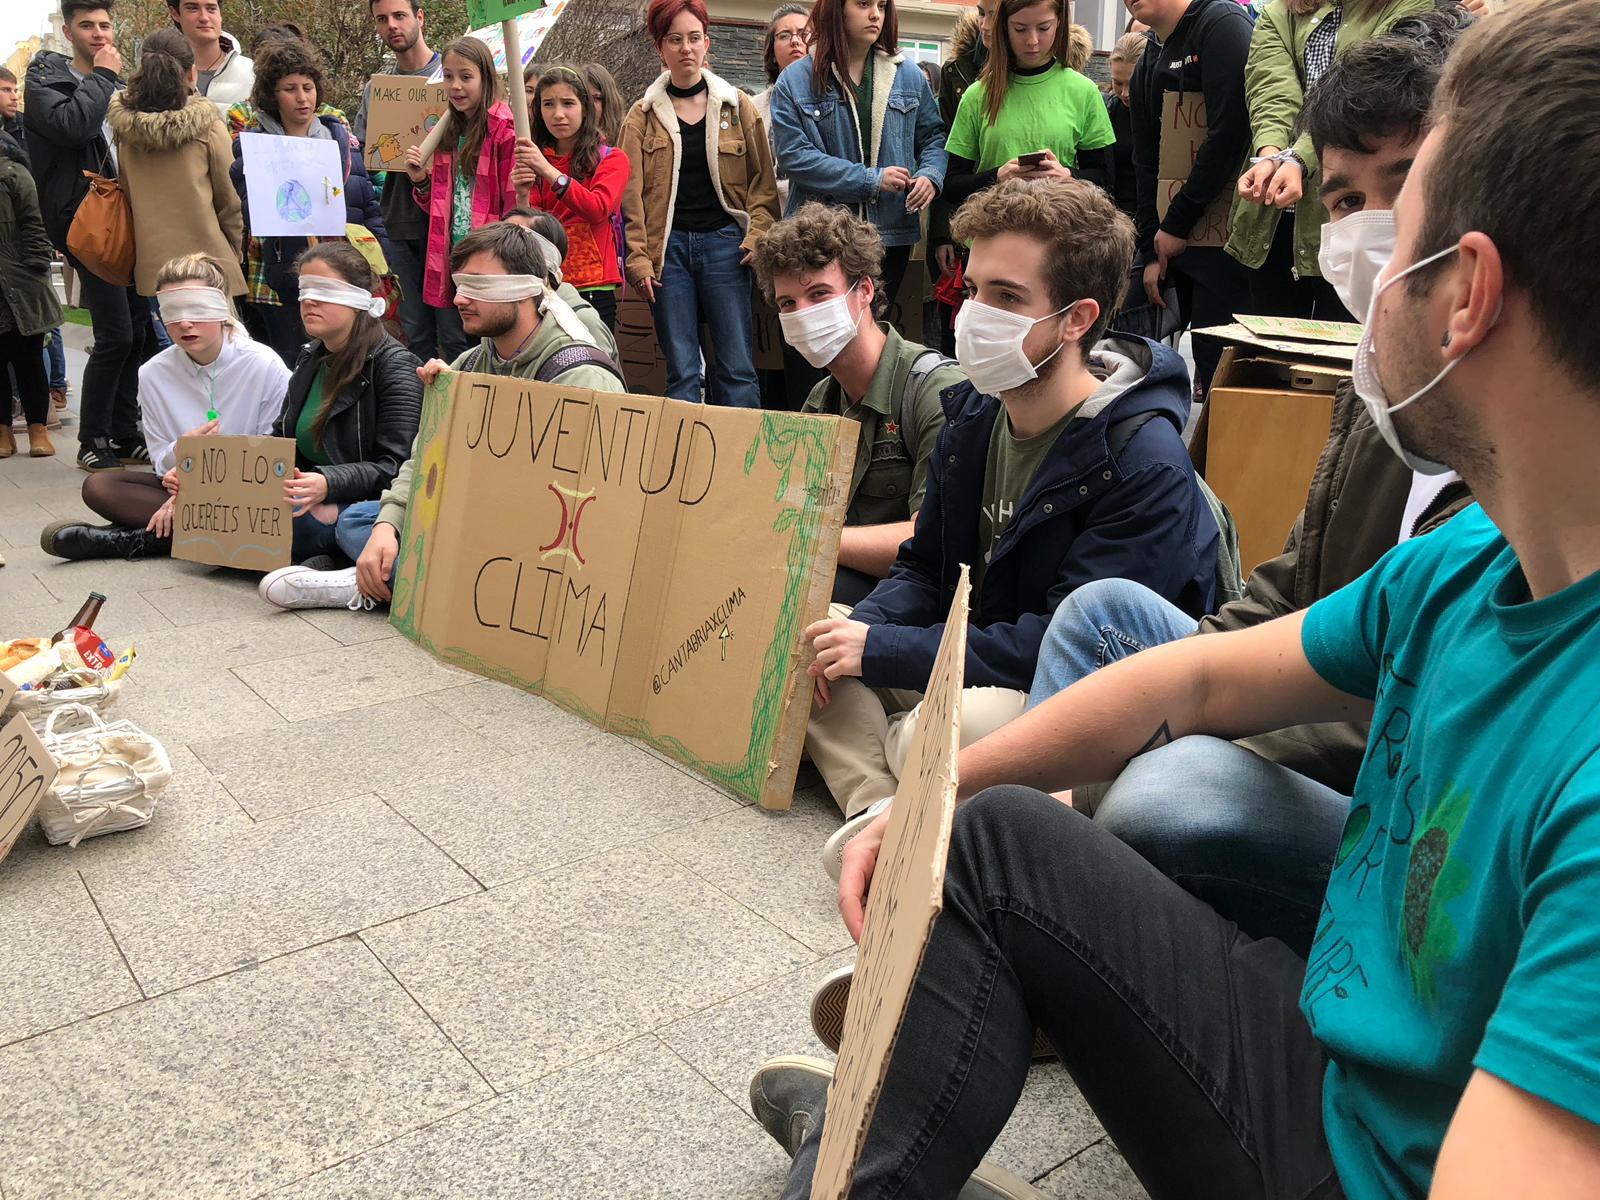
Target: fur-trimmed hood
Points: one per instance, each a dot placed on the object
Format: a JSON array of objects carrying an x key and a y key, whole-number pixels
[
  {"x": 965, "y": 36},
  {"x": 161, "y": 130},
  {"x": 1080, "y": 47}
]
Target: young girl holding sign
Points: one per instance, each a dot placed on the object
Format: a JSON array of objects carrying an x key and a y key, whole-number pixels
[
  {"x": 212, "y": 379},
  {"x": 469, "y": 182},
  {"x": 572, "y": 174},
  {"x": 353, "y": 406}
]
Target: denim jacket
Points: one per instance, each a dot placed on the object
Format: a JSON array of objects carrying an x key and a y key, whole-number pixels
[{"x": 819, "y": 145}]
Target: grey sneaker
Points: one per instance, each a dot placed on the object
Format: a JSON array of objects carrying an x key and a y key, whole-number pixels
[
  {"x": 789, "y": 1096},
  {"x": 832, "y": 997},
  {"x": 833, "y": 848}
]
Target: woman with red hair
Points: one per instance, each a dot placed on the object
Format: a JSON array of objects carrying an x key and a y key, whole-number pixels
[{"x": 701, "y": 192}]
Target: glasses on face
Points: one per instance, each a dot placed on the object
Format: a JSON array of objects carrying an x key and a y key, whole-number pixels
[{"x": 788, "y": 37}]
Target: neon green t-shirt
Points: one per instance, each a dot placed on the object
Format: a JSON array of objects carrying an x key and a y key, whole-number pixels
[{"x": 1059, "y": 110}]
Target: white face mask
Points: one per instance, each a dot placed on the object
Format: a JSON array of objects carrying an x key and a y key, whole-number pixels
[
  {"x": 1354, "y": 250},
  {"x": 989, "y": 347},
  {"x": 1364, "y": 374},
  {"x": 822, "y": 331}
]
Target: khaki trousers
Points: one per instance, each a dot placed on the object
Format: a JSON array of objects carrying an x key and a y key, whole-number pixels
[{"x": 859, "y": 742}]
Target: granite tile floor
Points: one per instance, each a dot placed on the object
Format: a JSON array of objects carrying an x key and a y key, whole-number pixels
[{"x": 399, "y": 932}]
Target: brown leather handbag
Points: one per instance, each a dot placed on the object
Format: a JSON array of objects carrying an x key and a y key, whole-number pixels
[{"x": 101, "y": 234}]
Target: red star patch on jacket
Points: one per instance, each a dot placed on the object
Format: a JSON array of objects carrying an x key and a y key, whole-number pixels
[{"x": 891, "y": 427}]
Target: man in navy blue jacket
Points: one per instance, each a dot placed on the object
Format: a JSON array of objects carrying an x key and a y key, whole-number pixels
[{"x": 1061, "y": 462}]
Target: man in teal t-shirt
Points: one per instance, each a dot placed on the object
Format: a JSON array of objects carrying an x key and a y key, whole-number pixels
[{"x": 1442, "y": 1040}]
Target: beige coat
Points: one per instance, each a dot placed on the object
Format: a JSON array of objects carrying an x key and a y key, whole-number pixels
[
  {"x": 174, "y": 169},
  {"x": 738, "y": 153}
]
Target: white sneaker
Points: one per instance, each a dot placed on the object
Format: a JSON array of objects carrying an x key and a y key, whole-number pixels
[
  {"x": 833, "y": 849},
  {"x": 304, "y": 587}
]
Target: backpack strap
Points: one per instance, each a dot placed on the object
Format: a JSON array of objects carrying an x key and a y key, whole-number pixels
[
  {"x": 1122, "y": 432},
  {"x": 922, "y": 366},
  {"x": 576, "y": 355}
]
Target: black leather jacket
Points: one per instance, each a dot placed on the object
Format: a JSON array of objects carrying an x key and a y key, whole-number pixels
[{"x": 372, "y": 425}]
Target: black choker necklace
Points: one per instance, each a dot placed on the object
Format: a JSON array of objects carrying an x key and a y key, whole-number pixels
[
  {"x": 1039, "y": 70},
  {"x": 684, "y": 93}
]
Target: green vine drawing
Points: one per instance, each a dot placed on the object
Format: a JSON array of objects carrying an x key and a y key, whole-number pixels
[{"x": 411, "y": 563}]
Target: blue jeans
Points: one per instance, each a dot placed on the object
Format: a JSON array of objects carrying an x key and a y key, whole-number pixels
[
  {"x": 703, "y": 281},
  {"x": 347, "y": 535},
  {"x": 55, "y": 360},
  {"x": 430, "y": 332},
  {"x": 1099, "y": 623},
  {"x": 1183, "y": 1034}
]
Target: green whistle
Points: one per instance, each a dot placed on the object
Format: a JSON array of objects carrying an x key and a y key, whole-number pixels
[{"x": 211, "y": 414}]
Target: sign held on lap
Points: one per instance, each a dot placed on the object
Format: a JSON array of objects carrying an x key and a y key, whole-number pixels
[
  {"x": 646, "y": 563},
  {"x": 906, "y": 897},
  {"x": 230, "y": 510}
]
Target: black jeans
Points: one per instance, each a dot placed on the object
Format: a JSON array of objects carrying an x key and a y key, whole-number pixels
[
  {"x": 1184, "y": 1035},
  {"x": 108, "y": 406},
  {"x": 1212, "y": 286},
  {"x": 605, "y": 303},
  {"x": 25, "y": 357}
]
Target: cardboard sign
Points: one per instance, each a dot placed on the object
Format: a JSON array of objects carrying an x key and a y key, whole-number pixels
[
  {"x": 401, "y": 110},
  {"x": 7, "y": 690},
  {"x": 1183, "y": 129},
  {"x": 645, "y": 563},
  {"x": 1344, "y": 333},
  {"x": 1335, "y": 352},
  {"x": 907, "y": 895},
  {"x": 296, "y": 186},
  {"x": 26, "y": 773},
  {"x": 638, "y": 351},
  {"x": 231, "y": 511}
]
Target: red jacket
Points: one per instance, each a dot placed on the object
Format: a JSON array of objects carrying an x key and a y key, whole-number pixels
[
  {"x": 492, "y": 197},
  {"x": 587, "y": 211}
]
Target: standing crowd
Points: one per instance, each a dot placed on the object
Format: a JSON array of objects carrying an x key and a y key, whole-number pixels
[{"x": 1292, "y": 872}]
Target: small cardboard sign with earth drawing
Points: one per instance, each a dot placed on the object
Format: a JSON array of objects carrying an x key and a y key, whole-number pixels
[
  {"x": 296, "y": 186},
  {"x": 401, "y": 109},
  {"x": 26, "y": 772},
  {"x": 907, "y": 896},
  {"x": 1183, "y": 131},
  {"x": 648, "y": 564},
  {"x": 231, "y": 510}
]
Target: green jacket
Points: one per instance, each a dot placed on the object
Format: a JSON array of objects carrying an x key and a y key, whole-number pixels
[
  {"x": 1274, "y": 84},
  {"x": 481, "y": 358},
  {"x": 891, "y": 471},
  {"x": 25, "y": 254}
]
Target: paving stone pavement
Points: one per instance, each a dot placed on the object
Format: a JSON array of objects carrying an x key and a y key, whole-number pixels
[{"x": 398, "y": 931}]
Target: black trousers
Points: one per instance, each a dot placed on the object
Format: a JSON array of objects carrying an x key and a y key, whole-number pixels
[
  {"x": 25, "y": 357},
  {"x": 108, "y": 402},
  {"x": 1212, "y": 286},
  {"x": 1275, "y": 291},
  {"x": 1184, "y": 1035}
]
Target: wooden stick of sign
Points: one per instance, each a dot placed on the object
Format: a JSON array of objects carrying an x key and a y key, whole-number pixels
[{"x": 515, "y": 94}]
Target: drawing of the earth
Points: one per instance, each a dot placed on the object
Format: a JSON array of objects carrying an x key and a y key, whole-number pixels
[{"x": 294, "y": 202}]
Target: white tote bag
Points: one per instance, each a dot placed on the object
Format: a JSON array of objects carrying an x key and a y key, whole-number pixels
[{"x": 109, "y": 777}]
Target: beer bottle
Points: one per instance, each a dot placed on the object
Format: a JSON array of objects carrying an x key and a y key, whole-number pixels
[{"x": 86, "y": 617}]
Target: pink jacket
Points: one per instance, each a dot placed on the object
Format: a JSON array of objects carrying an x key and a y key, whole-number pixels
[{"x": 492, "y": 197}]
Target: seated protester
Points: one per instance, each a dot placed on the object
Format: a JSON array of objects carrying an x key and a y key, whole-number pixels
[
  {"x": 1440, "y": 1038},
  {"x": 353, "y": 407},
  {"x": 1226, "y": 831},
  {"x": 820, "y": 269},
  {"x": 213, "y": 379},
  {"x": 1025, "y": 485},
  {"x": 498, "y": 280},
  {"x": 547, "y": 227}
]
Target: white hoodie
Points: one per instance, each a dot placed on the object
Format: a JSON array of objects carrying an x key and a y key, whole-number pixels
[
  {"x": 233, "y": 80},
  {"x": 246, "y": 385}
]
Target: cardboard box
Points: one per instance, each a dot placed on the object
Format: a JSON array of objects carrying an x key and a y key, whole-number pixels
[
  {"x": 1263, "y": 429},
  {"x": 648, "y": 564},
  {"x": 1183, "y": 130}
]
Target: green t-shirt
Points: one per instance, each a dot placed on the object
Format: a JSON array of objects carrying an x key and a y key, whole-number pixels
[
  {"x": 1059, "y": 110},
  {"x": 461, "y": 197},
  {"x": 864, "y": 108},
  {"x": 1012, "y": 464},
  {"x": 1458, "y": 930},
  {"x": 305, "y": 438}
]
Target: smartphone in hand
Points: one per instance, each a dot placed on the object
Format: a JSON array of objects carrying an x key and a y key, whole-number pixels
[{"x": 1031, "y": 162}]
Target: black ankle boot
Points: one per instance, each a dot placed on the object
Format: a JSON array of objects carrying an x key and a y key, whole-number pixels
[{"x": 75, "y": 539}]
